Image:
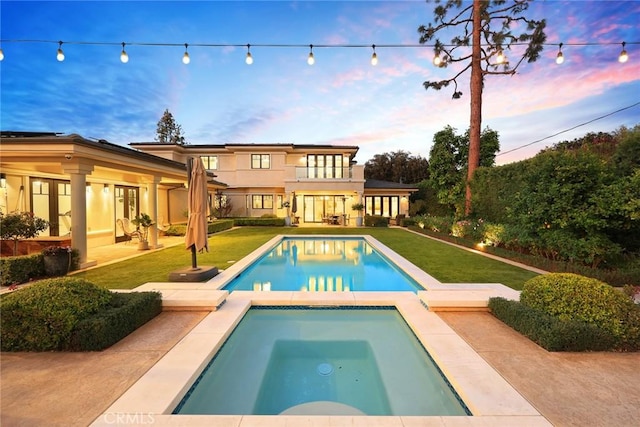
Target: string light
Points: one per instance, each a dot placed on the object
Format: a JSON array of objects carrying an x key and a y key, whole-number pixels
[
  {"x": 374, "y": 57},
  {"x": 624, "y": 57},
  {"x": 439, "y": 59},
  {"x": 249, "y": 59},
  {"x": 185, "y": 58},
  {"x": 560, "y": 56},
  {"x": 311, "y": 60},
  {"x": 123, "y": 56},
  {"x": 60, "y": 54}
]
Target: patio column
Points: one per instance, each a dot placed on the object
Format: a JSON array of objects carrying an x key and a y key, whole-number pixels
[
  {"x": 78, "y": 172},
  {"x": 152, "y": 206}
]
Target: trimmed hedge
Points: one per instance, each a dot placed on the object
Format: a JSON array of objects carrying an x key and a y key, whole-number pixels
[
  {"x": 376, "y": 221},
  {"x": 23, "y": 268},
  {"x": 548, "y": 331},
  {"x": 572, "y": 297},
  {"x": 212, "y": 227},
  {"x": 126, "y": 313},
  {"x": 260, "y": 222},
  {"x": 71, "y": 314},
  {"x": 41, "y": 317}
]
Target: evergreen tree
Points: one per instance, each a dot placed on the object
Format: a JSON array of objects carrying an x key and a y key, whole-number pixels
[{"x": 168, "y": 131}]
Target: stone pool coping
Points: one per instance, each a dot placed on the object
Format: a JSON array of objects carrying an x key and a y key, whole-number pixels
[{"x": 490, "y": 398}]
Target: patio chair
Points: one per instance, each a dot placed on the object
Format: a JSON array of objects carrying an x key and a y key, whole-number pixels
[
  {"x": 126, "y": 227},
  {"x": 161, "y": 225}
]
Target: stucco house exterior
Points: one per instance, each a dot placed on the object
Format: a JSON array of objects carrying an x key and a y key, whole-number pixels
[{"x": 83, "y": 186}]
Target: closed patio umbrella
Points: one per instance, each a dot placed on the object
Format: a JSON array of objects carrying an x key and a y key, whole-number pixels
[
  {"x": 294, "y": 207},
  {"x": 197, "y": 236}
]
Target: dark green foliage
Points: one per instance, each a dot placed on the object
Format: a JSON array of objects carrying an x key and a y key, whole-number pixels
[
  {"x": 212, "y": 227},
  {"x": 408, "y": 222},
  {"x": 376, "y": 221},
  {"x": 264, "y": 222},
  {"x": 398, "y": 166},
  {"x": 573, "y": 297},
  {"x": 20, "y": 225},
  {"x": 20, "y": 269},
  {"x": 41, "y": 317},
  {"x": 548, "y": 331},
  {"x": 125, "y": 313}
]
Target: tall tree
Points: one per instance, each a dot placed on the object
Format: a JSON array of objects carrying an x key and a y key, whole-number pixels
[
  {"x": 397, "y": 166},
  {"x": 486, "y": 27},
  {"x": 168, "y": 131}
]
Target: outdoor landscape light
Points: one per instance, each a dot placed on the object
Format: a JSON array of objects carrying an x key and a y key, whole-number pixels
[
  {"x": 249, "y": 59},
  {"x": 123, "y": 56},
  {"x": 311, "y": 60},
  {"x": 500, "y": 58},
  {"x": 560, "y": 57},
  {"x": 624, "y": 57},
  {"x": 185, "y": 57},
  {"x": 374, "y": 57},
  {"x": 60, "y": 55}
]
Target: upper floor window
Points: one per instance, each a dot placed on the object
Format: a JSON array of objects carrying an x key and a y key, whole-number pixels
[
  {"x": 210, "y": 162},
  {"x": 260, "y": 161},
  {"x": 325, "y": 166}
]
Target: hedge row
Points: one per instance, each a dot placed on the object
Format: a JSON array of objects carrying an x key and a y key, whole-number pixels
[
  {"x": 260, "y": 222},
  {"x": 376, "y": 221},
  {"x": 549, "y": 331},
  {"x": 23, "y": 268},
  {"x": 212, "y": 227},
  {"x": 69, "y": 313},
  {"x": 126, "y": 313}
]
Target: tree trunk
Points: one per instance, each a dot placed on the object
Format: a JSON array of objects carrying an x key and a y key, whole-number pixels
[{"x": 475, "y": 122}]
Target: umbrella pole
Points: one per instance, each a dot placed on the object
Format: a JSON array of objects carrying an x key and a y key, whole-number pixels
[{"x": 194, "y": 258}]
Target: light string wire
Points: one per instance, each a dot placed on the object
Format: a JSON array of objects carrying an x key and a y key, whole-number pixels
[
  {"x": 305, "y": 46},
  {"x": 568, "y": 130}
]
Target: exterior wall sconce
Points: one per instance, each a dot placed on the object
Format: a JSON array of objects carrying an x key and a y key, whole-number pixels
[
  {"x": 106, "y": 189},
  {"x": 3, "y": 180}
]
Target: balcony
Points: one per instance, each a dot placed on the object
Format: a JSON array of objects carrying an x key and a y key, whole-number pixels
[{"x": 324, "y": 173}]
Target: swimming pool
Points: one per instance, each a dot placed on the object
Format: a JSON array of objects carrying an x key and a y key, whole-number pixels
[
  {"x": 306, "y": 361},
  {"x": 319, "y": 264}
]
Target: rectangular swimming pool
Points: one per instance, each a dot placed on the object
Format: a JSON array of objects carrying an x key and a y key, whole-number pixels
[
  {"x": 322, "y": 361},
  {"x": 319, "y": 264}
]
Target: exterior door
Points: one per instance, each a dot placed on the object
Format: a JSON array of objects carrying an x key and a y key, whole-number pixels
[
  {"x": 51, "y": 200},
  {"x": 126, "y": 206}
]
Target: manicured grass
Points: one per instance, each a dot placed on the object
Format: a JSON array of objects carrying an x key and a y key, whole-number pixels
[{"x": 446, "y": 263}]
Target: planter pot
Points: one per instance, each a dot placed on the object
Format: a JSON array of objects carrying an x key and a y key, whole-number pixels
[
  {"x": 143, "y": 246},
  {"x": 359, "y": 221},
  {"x": 57, "y": 265},
  {"x": 287, "y": 221}
]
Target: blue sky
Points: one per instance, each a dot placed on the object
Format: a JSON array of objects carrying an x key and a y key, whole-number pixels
[{"x": 342, "y": 99}]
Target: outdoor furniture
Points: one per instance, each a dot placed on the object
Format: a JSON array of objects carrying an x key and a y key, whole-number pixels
[{"x": 125, "y": 226}]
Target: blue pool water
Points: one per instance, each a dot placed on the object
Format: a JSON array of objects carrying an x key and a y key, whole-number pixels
[
  {"x": 283, "y": 359},
  {"x": 323, "y": 264}
]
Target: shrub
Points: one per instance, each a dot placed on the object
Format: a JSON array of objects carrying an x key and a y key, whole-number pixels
[
  {"x": 41, "y": 317},
  {"x": 125, "y": 313},
  {"x": 376, "y": 221},
  {"x": 264, "y": 222},
  {"x": 573, "y": 297},
  {"x": 548, "y": 331},
  {"x": 212, "y": 227},
  {"x": 20, "y": 269}
]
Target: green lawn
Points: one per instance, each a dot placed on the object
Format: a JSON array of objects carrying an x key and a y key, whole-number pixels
[{"x": 446, "y": 263}]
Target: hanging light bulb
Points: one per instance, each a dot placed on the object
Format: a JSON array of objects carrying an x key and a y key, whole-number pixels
[
  {"x": 374, "y": 57},
  {"x": 437, "y": 61},
  {"x": 560, "y": 57},
  {"x": 500, "y": 58},
  {"x": 624, "y": 57},
  {"x": 249, "y": 59},
  {"x": 1, "y": 55},
  {"x": 123, "y": 55},
  {"x": 311, "y": 60},
  {"x": 185, "y": 58},
  {"x": 60, "y": 55}
]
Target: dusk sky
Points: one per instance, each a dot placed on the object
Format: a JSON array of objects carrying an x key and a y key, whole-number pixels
[{"x": 342, "y": 99}]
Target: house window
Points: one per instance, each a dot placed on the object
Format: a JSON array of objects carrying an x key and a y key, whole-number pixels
[
  {"x": 210, "y": 162},
  {"x": 382, "y": 205},
  {"x": 262, "y": 201},
  {"x": 260, "y": 161},
  {"x": 325, "y": 166}
]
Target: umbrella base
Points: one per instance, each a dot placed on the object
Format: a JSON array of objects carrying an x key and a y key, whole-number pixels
[{"x": 189, "y": 274}]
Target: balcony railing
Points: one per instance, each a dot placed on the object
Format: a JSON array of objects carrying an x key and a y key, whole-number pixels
[{"x": 309, "y": 172}]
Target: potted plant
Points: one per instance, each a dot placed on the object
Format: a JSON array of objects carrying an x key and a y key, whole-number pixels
[
  {"x": 57, "y": 260},
  {"x": 358, "y": 207},
  {"x": 142, "y": 223},
  {"x": 287, "y": 219}
]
